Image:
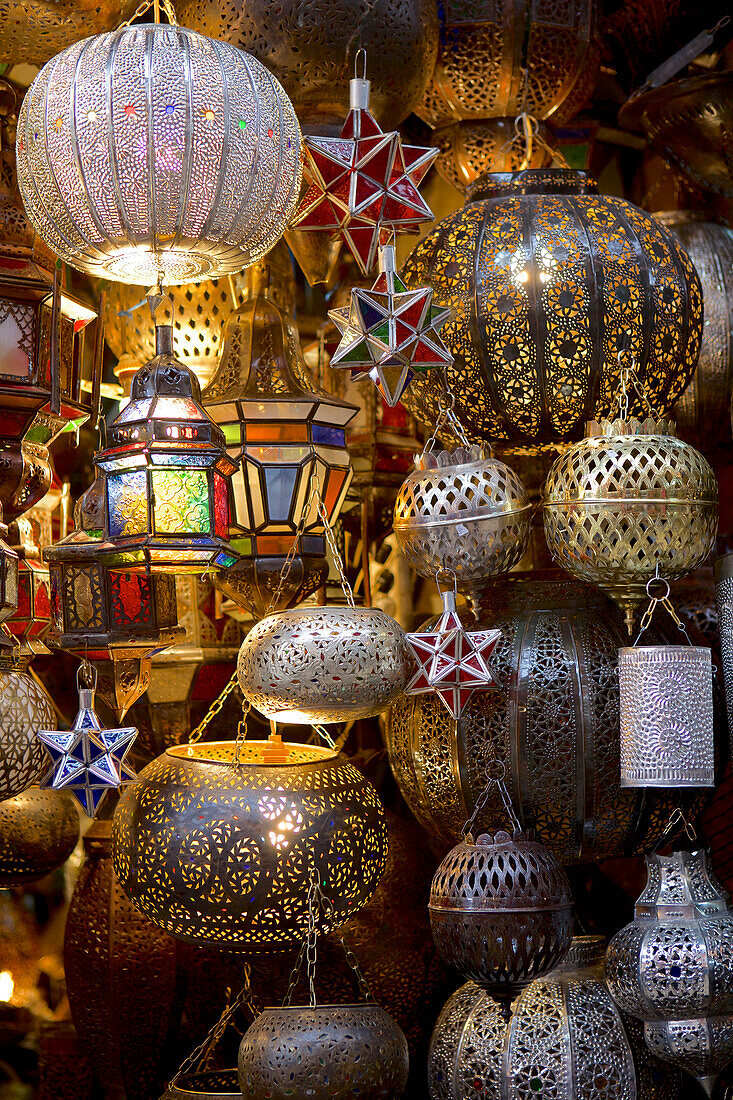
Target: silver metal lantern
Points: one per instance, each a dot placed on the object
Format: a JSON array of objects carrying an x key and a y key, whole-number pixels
[
  {"x": 666, "y": 716},
  {"x": 724, "y": 601},
  {"x": 152, "y": 154}
]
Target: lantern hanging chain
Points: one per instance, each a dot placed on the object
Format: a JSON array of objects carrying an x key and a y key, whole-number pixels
[
  {"x": 447, "y": 416},
  {"x": 290, "y": 557},
  {"x": 527, "y": 133},
  {"x": 628, "y": 374},
  {"x": 201, "y": 1054},
  {"x": 295, "y": 974},
  {"x": 146, "y": 5},
  {"x": 676, "y": 822},
  {"x": 241, "y": 732},
  {"x": 312, "y": 936},
  {"x": 666, "y": 603},
  {"x": 325, "y": 736},
  {"x": 330, "y": 539},
  {"x": 214, "y": 709},
  {"x": 351, "y": 959},
  {"x": 500, "y": 780}
]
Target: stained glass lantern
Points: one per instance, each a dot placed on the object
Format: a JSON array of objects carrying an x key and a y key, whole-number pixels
[
  {"x": 114, "y": 129},
  {"x": 287, "y": 432},
  {"x": 167, "y": 475},
  {"x": 30, "y": 622},
  {"x": 118, "y": 621}
]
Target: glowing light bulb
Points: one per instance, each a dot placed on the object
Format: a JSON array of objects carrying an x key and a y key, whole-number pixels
[{"x": 7, "y": 985}]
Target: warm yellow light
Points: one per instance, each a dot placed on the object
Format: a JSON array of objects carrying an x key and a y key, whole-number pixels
[{"x": 7, "y": 985}]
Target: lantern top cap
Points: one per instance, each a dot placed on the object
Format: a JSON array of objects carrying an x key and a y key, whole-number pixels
[
  {"x": 648, "y": 426},
  {"x": 252, "y": 754},
  {"x": 680, "y": 884},
  {"x": 164, "y": 375},
  {"x": 532, "y": 181}
]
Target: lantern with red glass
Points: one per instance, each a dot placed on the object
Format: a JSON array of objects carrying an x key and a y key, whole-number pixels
[
  {"x": 288, "y": 433},
  {"x": 167, "y": 475},
  {"x": 30, "y": 622}
]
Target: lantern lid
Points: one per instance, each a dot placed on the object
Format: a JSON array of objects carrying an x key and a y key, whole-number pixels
[
  {"x": 248, "y": 754},
  {"x": 620, "y": 426},
  {"x": 532, "y": 181},
  {"x": 680, "y": 886}
]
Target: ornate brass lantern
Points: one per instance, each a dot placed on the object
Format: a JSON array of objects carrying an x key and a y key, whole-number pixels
[
  {"x": 25, "y": 708},
  {"x": 549, "y": 282},
  {"x": 30, "y": 622},
  {"x": 470, "y": 148},
  {"x": 628, "y": 502},
  {"x": 38, "y": 832}
]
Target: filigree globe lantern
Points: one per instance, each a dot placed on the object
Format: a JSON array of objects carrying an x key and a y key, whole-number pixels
[
  {"x": 25, "y": 708},
  {"x": 166, "y": 475},
  {"x": 549, "y": 281},
  {"x": 288, "y": 432},
  {"x": 38, "y": 832},
  {"x": 154, "y": 155}
]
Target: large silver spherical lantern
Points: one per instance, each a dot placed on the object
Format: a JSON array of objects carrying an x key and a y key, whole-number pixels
[{"x": 153, "y": 154}]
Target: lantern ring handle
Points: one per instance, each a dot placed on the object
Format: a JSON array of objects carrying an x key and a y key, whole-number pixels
[
  {"x": 361, "y": 52},
  {"x": 89, "y": 673},
  {"x": 444, "y": 575},
  {"x": 665, "y": 590}
]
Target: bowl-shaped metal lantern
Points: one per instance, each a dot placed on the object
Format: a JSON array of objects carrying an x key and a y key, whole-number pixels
[{"x": 38, "y": 832}]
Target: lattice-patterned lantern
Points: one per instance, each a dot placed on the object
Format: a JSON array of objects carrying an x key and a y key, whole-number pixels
[
  {"x": 38, "y": 832},
  {"x": 114, "y": 129},
  {"x": 501, "y": 912},
  {"x": 463, "y": 512},
  {"x": 470, "y": 148},
  {"x": 324, "y": 664},
  {"x": 549, "y": 282},
  {"x": 724, "y": 604},
  {"x": 672, "y": 967},
  {"x": 25, "y": 708},
  {"x": 287, "y": 432},
  {"x": 30, "y": 622},
  {"x": 628, "y": 502},
  {"x": 118, "y": 621},
  {"x": 566, "y": 1040},
  {"x": 667, "y": 727},
  {"x": 167, "y": 475},
  {"x": 180, "y": 832}
]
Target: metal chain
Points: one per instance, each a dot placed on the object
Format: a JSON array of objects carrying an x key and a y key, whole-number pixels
[
  {"x": 323, "y": 733},
  {"x": 312, "y": 936},
  {"x": 666, "y": 603},
  {"x": 446, "y": 415},
  {"x": 200, "y": 1055},
  {"x": 483, "y": 798},
  {"x": 629, "y": 373},
  {"x": 145, "y": 6},
  {"x": 676, "y": 818},
  {"x": 351, "y": 958},
  {"x": 290, "y": 557},
  {"x": 335, "y": 555},
  {"x": 241, "y": 732},
  {"x": 214, "y": 709}
]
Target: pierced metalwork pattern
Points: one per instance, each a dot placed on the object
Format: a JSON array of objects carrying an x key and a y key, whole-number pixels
[
  {"x": 25, "y": 708},
  {"x": 667, "y": 735},
  {"x": 38, "y": 832},
  {"x": 220, "y": 853},
  {"x": 331, "y": 1051},
  {"x": 324, "y": 664},
  {"x": 199, "y": 110},
  {"x": 221, "y": 1084},
  {"x": 536, "y": 352},
  {"x": 475, "y": 146},
  {"x": 702, "y": 1048},
  {"x": 724, "y": 602},
  {"x": 31, "y": 33}
]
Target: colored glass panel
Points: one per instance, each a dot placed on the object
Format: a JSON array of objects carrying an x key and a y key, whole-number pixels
[
  {"x": 333, "y": 490},
  {"x": 130, "y": 600},
  {"x": 127, "y": 498},
  {"x": 280, "y": 482},
  {"x": 221, "y": 507},
  {"x": 181, "y": 502},
  {"x": 322, "y": 433},
  {"x": 277, "y": 432}
]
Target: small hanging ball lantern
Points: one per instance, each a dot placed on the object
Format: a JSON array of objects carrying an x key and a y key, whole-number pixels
[
  {"x": 216, "y": 841},
  {"x": 324, "y": 664},
  {"x": 38, "y": 832},
  {"x": 25, "y": 708},
  {"x": 167, "y": 475},
  {"x": 154, "y": 155},
  {"x": 462, "y": 512},
  {"x": 322, "y": 1052},
  {"x": 627, "y": 502},
  {"x": 501, "y": 912}
]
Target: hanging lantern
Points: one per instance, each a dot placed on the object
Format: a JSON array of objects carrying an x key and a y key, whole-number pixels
[
  {"x": 703, "y": 411},
  {"x": 724, "y": 604},
  {"x": 324, "y": 664},
  {"x": 120, "y": 974},
  {"x": 25, "y": 708},
  {"x": 167, "y": 475},
  {"x": 463, "y": 512},
  {"x": 553, "y": 723},
  {"x": 38, "y": 832},
  {"x": 135, "y": 115},
  {"x": 210, "y": 1084},
  {"x": 667, "y": 735},
  {"x": 287, "y": 432},
  {"x": 118, "y": 621},
  {"x": 628, "y": 502},
  {"x": 535, "y": 351},
  {"x": 470, "y": 148},
  {"x": 671, "y": 967},
  {"x": 9, "y": 574},
  {"x": 180, "y": 832},
  {"x": 31, "y": 33},
  {"x": 326, "y": 1051},
  {"x": 565, "y": 1037},
  {"x": 501, "y": 912},
  {"x": 30, "y": 622}
]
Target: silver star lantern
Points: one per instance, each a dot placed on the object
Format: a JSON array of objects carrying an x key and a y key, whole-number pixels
[
  {"x": 389, "y": 333},
  {"x": 88, "y": 760}
]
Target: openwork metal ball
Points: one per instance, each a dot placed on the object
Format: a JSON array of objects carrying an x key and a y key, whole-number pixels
[
  {"x": 324, "y": 664},
  {"x": 501, "y": 912},
  {"x": 626, "y": 501},
  {"x": 25, "y": 708},
  {"x": 462, "y": 511},
  {"x": 153, "y": 154},
  {"x": 566, "y": 1040},
  {"x": 38, "y": 832},
  {"x": 330, "y": 1052},
  {"x": 549, "y": 281},
  {"x": 215, "y": 842}
]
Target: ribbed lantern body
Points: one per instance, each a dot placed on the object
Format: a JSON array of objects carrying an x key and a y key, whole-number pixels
[
  {"x": 565, "y": 1033},
  {"x": 220, "y": 853},
  {"x": 38, "y": 832},
  {"x": 549, "y": 281},
  {"x": 330, "y": 1051},
  {"x": 154, "y": 154},
  {"x": 25, "y": 708},
  {"x": 553, "y": 723},
  {"x": 667, "y": 728},
  {"x": 324, "y": 664}
]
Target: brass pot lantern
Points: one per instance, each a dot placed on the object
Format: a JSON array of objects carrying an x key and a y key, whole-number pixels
[
  {"x": 628, "y": 502},
  {"x": 38, "y": 832},
  {"x": 549, "y": 281}
]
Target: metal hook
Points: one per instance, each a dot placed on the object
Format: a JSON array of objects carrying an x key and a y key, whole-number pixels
[{"x": 360, "y": 52}]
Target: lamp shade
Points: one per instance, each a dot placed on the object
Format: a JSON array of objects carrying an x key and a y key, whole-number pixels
[{"x": 152, "y": 154}]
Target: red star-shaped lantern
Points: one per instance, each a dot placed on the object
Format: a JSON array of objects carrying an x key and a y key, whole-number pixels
[
  {"x": 364, "y": 184},
  {"x": 389, "y": 332},
  {"x": 452, "y": 662}
]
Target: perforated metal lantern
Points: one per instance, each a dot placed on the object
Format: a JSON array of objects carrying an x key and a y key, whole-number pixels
[
  {"x": 724, "y": 603},
  {"x": 628, "y": 501},
  {"x": 25, "y": 708},
  {"x": 549, "y": 281},
  {"x": 38, "y": 832},
  {"x": 501, "y": 912},
  {"x": 671, "y": 967},
  {"x": 218, "y": 852},
  {"x": 212, "y": 1084},
  {"x": 338, "y": 1051},
  {"x": 166, "y": 475},
  {"x": 462, "y": 511},
  {"x": 31, "y": 33},
  {"x": 324, "y": 664},
  {"x": 470, "y": 148},
  {"x": 153, "y": 154}
]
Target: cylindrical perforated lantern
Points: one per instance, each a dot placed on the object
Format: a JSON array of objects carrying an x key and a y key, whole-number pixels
[{"x": 666, "y": 716}]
